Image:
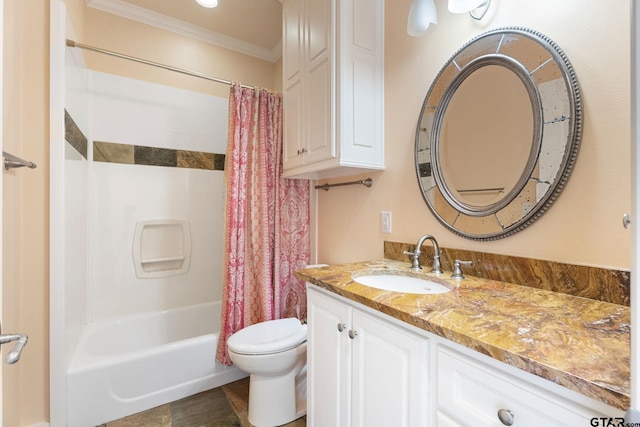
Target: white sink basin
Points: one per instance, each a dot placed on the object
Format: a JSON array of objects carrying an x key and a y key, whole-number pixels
[{"x": 406, "y": 284}]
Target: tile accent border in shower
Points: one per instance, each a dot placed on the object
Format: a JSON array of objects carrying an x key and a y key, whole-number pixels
[
  {"x": 111, "y": 152},
  {"x": 74, "y": 136}
]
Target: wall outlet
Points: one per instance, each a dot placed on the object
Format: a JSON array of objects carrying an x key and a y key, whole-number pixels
[{"x": 385, "y": 221}]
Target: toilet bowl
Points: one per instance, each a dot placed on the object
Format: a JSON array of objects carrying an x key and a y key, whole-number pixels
[{"x": 274, "y": 354}]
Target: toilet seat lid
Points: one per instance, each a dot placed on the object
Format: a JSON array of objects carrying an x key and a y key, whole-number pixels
[{"x": 267, "y": 337}]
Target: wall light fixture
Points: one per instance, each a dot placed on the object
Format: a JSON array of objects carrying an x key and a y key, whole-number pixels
[
  {"x": 423, "y": 18},
  {"x": 476, "y": 8},
  {"x": 208, "y": 3}
]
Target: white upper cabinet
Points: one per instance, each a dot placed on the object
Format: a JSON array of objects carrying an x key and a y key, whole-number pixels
[{"x": 333, "y": 81}]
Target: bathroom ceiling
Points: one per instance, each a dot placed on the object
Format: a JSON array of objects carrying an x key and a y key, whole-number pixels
[{"x": 257, "y": 22}]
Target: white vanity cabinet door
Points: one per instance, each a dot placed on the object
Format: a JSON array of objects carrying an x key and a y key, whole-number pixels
[
  {"x": 444, "y": 420},
  {"x": 362, "y": 369},
  {"x": 390, "y": 374},
  {"x": 328, "y": 361},
  {"x": 472, "y": 393}
]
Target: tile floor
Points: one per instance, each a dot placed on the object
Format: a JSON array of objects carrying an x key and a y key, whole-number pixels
[{"x": 220, "y": 407}]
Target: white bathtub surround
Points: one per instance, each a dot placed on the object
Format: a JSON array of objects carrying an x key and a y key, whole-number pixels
[
  {"x": 130, "y": 344},
  {"x": 129, "y": 194},
  {"x": 142, "y": 114},
  {"x": 125, "y": 366}
]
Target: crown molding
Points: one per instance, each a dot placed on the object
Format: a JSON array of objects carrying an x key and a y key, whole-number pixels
[{"x": 158, "y": 20}]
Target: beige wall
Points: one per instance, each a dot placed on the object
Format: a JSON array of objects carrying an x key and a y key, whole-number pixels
[
  {"x": 76, "y": 10},
  {"x": 135, "y": 39},
  {"x": 111, "y": 32},
  {"x": 25, "y": 209},
  {"x": 584, "y": 225}
]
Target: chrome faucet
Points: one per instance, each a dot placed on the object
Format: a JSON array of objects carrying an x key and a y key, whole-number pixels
[{"x": 415, "y": 255}]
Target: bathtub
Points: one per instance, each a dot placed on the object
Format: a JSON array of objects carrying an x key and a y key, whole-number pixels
[{"x": 125, "y": 366}]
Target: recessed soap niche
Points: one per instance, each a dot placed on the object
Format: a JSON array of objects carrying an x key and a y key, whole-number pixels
[{"x": 161, "y": 248}]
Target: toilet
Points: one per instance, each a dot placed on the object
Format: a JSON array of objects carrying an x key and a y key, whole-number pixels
[{"x": 274, "y": 354}]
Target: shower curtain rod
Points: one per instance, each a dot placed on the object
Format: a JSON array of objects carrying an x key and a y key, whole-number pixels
[{"x": 72, "y": 43}]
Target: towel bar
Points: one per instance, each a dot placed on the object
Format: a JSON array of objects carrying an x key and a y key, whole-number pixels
[
  {"x": 12, "y": 162},
  {"x": 366, "y": 182}
]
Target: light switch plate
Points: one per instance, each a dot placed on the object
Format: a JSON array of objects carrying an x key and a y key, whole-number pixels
[{"x": 385, "y": 221}]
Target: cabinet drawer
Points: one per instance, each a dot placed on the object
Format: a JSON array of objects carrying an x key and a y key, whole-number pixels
[{"x": 473, "y": 393}]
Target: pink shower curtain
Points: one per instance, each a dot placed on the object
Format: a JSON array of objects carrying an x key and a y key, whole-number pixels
[{"x": 266, "y": 219}]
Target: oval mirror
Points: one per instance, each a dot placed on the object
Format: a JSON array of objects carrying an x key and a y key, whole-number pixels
[{"x": 498, "y": 133}]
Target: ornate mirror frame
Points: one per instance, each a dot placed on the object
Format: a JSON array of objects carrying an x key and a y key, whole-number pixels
[{"x": 554, "y": 95}]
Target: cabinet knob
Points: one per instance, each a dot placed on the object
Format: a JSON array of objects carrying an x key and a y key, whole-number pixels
[
  {"x": 353, "y": 334},
  {"x": 506, "y": 417},
  {"x": 304, "y": 150},
  {"x": 341, "y": 327},
  {"x": 299, "y": 152}
]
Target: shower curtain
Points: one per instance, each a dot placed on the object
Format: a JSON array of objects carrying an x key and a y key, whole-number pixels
[{"x": 266, "y": 219}]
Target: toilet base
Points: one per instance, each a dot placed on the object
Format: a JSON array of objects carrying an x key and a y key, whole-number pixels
[
  {"x": 274, "y": 401},
  {"x": 278, "y": 377}
]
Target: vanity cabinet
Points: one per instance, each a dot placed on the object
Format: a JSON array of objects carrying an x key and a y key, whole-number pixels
[
  {"x": 363, "y": 370},
  {"x": 472, "y": 393},
  {"x": 333, "y": 87}
]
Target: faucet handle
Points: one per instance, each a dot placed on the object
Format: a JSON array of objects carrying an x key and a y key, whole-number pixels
[
  {"x": 457, "y": 270},
  {"x": 415, "y": 261},
  {"x": 436, "y": 267}
]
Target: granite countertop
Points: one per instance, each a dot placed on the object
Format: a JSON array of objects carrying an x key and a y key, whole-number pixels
[{"x": 579, "y": 343}]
